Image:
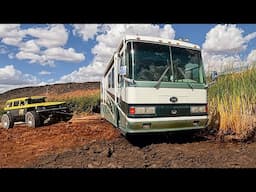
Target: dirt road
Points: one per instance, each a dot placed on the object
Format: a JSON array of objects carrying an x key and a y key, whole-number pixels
[{"x": 90, "y": 142}]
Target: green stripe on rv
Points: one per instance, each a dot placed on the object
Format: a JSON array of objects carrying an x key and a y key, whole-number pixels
[{"x": 169, "y": 85}]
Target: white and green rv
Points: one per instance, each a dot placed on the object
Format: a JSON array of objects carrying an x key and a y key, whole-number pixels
[{"x": 155, "y": 85}]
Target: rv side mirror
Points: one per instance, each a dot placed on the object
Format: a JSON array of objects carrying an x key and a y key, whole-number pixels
[
  {"x": 122, "y": 70},
  {"x": 214, "y": 75}
]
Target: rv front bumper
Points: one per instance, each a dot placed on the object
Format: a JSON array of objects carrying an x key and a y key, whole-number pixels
[{"x": 165, "y": 124}]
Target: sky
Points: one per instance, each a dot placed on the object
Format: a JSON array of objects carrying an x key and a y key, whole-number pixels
[{"x": 39, "y": 54}]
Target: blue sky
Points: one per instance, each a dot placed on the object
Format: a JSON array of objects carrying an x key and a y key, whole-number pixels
[{"x": 40, "y": 54}]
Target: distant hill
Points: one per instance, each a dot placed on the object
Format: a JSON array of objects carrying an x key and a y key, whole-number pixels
[{"x": 47, "y": 90}]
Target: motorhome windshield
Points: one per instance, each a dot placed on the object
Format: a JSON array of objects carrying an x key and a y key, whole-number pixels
[{"x": 152, "y": 62}]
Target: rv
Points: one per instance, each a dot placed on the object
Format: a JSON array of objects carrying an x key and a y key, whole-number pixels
[{"x": 153, "y": 85}]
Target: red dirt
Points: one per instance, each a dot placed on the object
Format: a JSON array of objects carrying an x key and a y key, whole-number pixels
[
  {"x": 21, "y": 145},
  {"x": 89, "y": 142}
]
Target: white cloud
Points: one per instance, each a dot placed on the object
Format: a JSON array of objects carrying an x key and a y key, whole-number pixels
[
  {"x": 48, "y": 56},
  {"x": 43, "y": 72},
  {"x": 108, "y": 37},
  {"x": 54, "y": 35},
  {"x": 86, "y": 31},
  {"x": 221, "y": 62},
  {"x": 222, "y": 46},
  {"x": 226, "y": 38},
  {"x": 250, "y": 36},
  {"x": 251, "y": 59},
  {"x": 89, "y": 73},
  {"x": 30, "y": 46},
  {"x": 45, "y": 47},
  {"x": 11, "y": 76},
  {"x": 58, "y": 53},
  {"x": 33, "y": 57},
  {"x": 5, "y": 29},
  {"x": 11, "y": 34},
  {"x": 26, "y": 55}
]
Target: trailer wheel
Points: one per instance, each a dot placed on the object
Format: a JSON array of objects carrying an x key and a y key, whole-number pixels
[
  {"x": 32, "y": 119},
  {"x": 7, "y": 121}
]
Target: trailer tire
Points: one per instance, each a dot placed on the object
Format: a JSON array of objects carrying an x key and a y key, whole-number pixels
[
  {"x": 32, "y": 119},
  {"x": 7, "y": 121}
]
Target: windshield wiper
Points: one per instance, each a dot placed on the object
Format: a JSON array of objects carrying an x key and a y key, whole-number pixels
[
  {"x": 129, "y": 80},
  {"x": 189, "y": 84},
  {"x": 162, "y": 76}
]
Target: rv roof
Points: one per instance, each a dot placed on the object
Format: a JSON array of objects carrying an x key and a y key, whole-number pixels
[{"x": 161, "y": 40}]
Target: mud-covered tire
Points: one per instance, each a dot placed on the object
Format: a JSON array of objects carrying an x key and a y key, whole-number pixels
[
  {"x": 32, "y": 119},
  {"x": 7, "y": 121}
]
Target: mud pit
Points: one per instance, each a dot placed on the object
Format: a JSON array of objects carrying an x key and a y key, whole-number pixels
[{"x": 90, "y": 142}]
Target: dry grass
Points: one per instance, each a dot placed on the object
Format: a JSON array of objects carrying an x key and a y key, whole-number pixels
[
  {"x": 80, "y": 101},
  {"x": 232, "y": 105},
  {"x": 74, "y": 94}
]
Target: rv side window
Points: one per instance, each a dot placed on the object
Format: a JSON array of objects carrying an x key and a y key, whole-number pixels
[
  {"x": 128, "y": 60},
  {"x": 120, "y": 79},
  {"x": 109, "y": 79},
  {"x": 112, "y": 78}
]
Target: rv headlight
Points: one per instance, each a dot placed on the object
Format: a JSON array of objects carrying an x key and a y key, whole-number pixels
[
  {"x": 198, "y": 109},
  {"x": 142, "y": 110}
]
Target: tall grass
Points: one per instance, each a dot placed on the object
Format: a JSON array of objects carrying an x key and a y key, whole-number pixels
[
  {"x": 79, "y": 101},
  {"x": 232, "y": 102}
]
